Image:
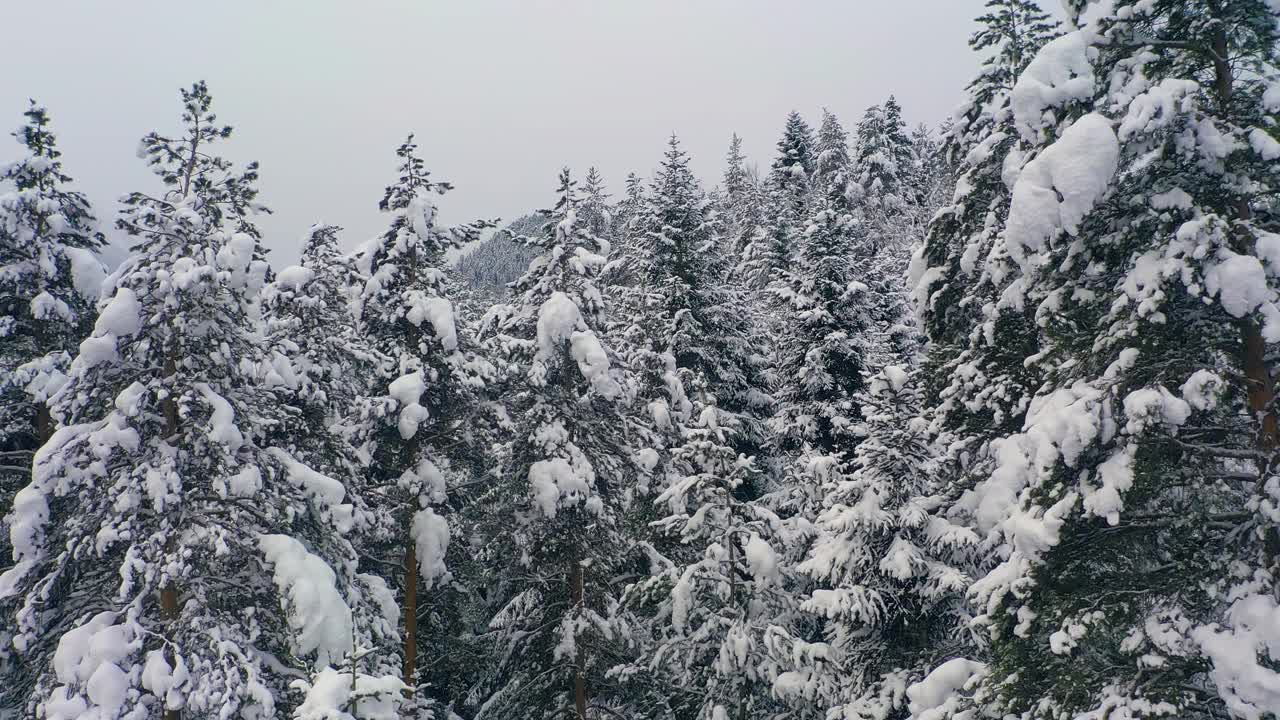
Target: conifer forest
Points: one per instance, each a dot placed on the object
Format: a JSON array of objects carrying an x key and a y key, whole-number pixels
[{"x": 972, "y": 420}]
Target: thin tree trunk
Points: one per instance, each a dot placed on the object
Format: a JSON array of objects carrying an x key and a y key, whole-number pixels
[
  {"x": 579, "y": 669},
  {"x": 410, "y": 612},
  {"x": 169, "y": 593},
  {"x": 44, "y": 423},
  {"x": 1253, "y": 346}
]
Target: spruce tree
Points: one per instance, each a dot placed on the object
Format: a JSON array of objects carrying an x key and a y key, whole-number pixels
[
  {"x": 168, "y": 563},
  {"x": 716, "y": 612},
  {"x": 881, "y": 563},
  {"x": 833, "y": 164},
  {"x": 1133, "y": 508},
  {"x": 788, "y": 187},
  {"x": 552, "y": 516},
  {"x": 882, "y": 165},
  {"x": 49, "y": 282},
  {"x": 416, "y": 428},
  {"x": 828, "y": 334},
  {"x": 688, "y": 310}
]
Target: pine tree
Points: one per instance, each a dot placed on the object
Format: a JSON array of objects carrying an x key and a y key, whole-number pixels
[
  {"x": 417, "y": 427},
  {"x": 687, "y": 310},
  {"x": 709, "y": 650},
  {"x": 828, "y": 332},
  {"x": 168, "y": 563},
  {"x": 1133, "y": 508},
  {"x": 49, "y": 281},
  {"x": 742, "y": 203},
  {"x": 881, "y": 562},
  {"x": 553, "y": 514},
  {"x": 833, "y": 164},
  {"x": 882, "y": 165},
  {"x": 595, "y": 204},
  {"x": 788, "y": 189}
]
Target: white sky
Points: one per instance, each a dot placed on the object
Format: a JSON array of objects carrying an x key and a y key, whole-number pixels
[{"x": 501, "y": 93}]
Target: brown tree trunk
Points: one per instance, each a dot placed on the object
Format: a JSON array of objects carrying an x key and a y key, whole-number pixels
[
  {"x": 410, "y": 612},
  {"x": 44, "y": 423},
  {"x": 169, "y": 611},
  {"x": 1253, "y": 346},
  {"x": 169, "y": 593},
  {"x": 579, "y": 661}
]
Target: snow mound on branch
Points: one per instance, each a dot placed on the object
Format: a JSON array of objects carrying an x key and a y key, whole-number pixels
[
  {"x": 593, "y": 362},
  {"x": 431, "y": 540},
  {"x": 1059, "y": 73},
  {"x": 317, "y": 613},
  {"x": 938, "y": 693},
  {"x": 87, "y": 273},
  {"x": 222, "y": 419},
  {"x": 1250, "y": 688},
  {"x": 1239, "y": 282},
  {"x": 558, "y": 318},
  {"x": 1057, "y": 189},
  {"x": 90, "y": 657},
  {"x": 295, "y": 277},
  {"x": 557, "y": 483},
  {"x": 762, "y": 560},
  {"x": 439, "y": 312},
  {"x": 323, "y": 490},
  {"x": 121, "y": 317},
  {"x": 330, "y": 696},
  {"x": 407, "y": 390}
]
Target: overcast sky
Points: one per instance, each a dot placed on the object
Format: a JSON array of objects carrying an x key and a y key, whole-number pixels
[{"x": 501, "y": 93}]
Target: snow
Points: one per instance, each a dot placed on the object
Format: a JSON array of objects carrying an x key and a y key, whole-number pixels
[
  {"x": 556, "y": 482},
  {"x": 326, "y": 492},
  {"x": 330, "y": 696},
  {"x": 1059, "y": 73},
  {"x": 1202, "y": 389},
  {"x": 935, "y": 696},
  {"x": 431, "y": 542},
  {"x": 317, "y": 613},
  {"x": 593, "y": 362},
  {"x": 1078, "y": 169},
  {"x": 1271, "y": 97},
  {"x": 558, "y": 318},
  {"x": 164, "y": 680},
  {"x": 222, "y": 421},
  {"x": 90, "y": 655},
  {"x": 1239, "y": 282},
  {"x": 1153, "y": 406},
  {"x": 1250, "y": 688},
  {"x": 762, "y": 561},
  {"x": 295, "y": 277},
  {"x": 407, "y": 390},
  {"x": 1115, "y": 475},
  {"x": 438, "y": 312}
]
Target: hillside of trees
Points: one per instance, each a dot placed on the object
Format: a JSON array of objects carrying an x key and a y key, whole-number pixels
[{"x": 966, "y": 422}]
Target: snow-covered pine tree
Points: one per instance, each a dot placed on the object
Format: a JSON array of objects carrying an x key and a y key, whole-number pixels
[
  {"x": 786, "y": 204},
  {"x": 168, "y": 564},
  {"x": 595, "y": 204},
  {"x": 320, "y": 367},
  {"x": 716, "y": 613},
  {"x": 832, "y": 163},
  {"x": 954, "y": 262},
  {"x": 417, "y": 427},
  {"x": 741, "y": 204},
  {"x": 882, "y": 166},
  {"x": 883, "y": 580},
  {"x": 828, "y": 332},
  {"x": 553, "y": 515},
  {"x": 49, "y": 283},
  {"x": 1137, "y": 504},
  {"x": 689, "y": 310}
]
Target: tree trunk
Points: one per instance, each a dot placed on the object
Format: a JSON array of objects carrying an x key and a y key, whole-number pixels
[
  {"x": 44, "y": 423},
  {"x": 1253, "y": 346},
  {"x": 410, "y": 611},
  {"x": 169, "y": 405},
  {"x": 169, "y": 611},
  {"x": 579, "y": 658}
]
